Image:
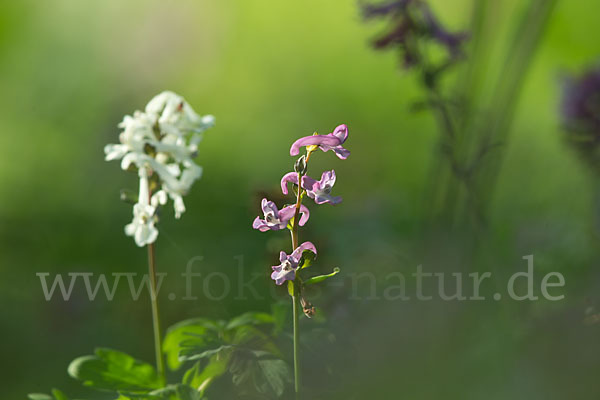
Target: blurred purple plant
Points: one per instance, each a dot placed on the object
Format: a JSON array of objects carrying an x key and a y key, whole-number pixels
[
  {"x": 411, "y": 26},
  {"x": 580, "y": 109},
  {"x": 581, "y": 106}
]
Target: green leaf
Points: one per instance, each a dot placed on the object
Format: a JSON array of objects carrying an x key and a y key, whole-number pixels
[
  {"x": 321, "y": 278},
  {"x": 307, "y": 259},
  {"x": 250, "y": 318},
  {"x": 177, "y": 392},
  {"x": 291, "y": 288},
  {"x": 276, "y": 374},
  {"x": 290, "y": 224},
  {"x": 190, "y": 376},
  {"x": 271, "y": 374},
  {"x": 205, "y": 354},
  {"x": 114, "y": 370},
  {"x": 192, "y": 332},
  {"x": 58, "y": 395},
  {"x": 266, "y": 372},
  {"x": 200, "y": 379},
  {"x": 137, "y": 396}
]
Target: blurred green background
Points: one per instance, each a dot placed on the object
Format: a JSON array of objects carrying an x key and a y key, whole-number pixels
[{"x": 271, "y": 72}]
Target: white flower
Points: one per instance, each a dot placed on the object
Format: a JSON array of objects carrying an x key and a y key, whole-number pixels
[
  {"x": 142, "y": 227},
  {"x": 176, "y": 116},
  {"x": 160, "y": 142}
]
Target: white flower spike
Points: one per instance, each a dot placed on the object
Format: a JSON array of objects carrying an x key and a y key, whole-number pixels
[{"x": 160, "y": 143}]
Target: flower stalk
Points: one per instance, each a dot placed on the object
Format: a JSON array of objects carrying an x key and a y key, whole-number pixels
[
  {"x": 296, "y": 290},
  {"x": 160, "y": 362},
  {"x": 296, "y": 314},
  {"x": 295, "y": 215},
  {"x": 159, "y": 144}
]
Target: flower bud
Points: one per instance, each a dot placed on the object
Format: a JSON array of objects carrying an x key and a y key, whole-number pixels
[{"x": 300, "y": 165}]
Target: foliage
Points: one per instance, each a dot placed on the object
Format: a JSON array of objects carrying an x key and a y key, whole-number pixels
[{"x": 237, "y": 350}]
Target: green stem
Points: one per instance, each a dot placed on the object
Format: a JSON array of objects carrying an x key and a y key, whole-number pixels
[
  {"x": 295, "y": 301},
  {"x": 160, "y": 364}
]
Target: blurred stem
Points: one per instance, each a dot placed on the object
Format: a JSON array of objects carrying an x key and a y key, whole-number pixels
[
  {"x": 472, "y": 148},
  {"x": 449, "y": 182},
  {"x": 160, "y": 364},
  {"x": 526, "y": 39}
]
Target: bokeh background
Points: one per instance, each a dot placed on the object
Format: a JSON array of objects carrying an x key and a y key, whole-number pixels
[{"x": 271, "y": 72}]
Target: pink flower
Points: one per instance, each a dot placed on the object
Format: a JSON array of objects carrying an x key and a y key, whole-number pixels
[
  {"x": 332, "y": 141},
  {"x": 275, "y": 219},
  {"x": 286, "y": 271},
  {"x": 319, "y": 191}
]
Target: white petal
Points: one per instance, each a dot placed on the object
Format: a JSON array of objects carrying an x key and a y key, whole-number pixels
[
  {"x": 130, "y": 229},
  {"x": 208, "y": 121},
  {"x": 174, "y": 169},
  {"x": 129, "y": 159},
  {"x": 145, "y": 234},
  {"x": 144, "y": 194},
  {"x": 159, "y": 198},
  {"x": 114, "y": 151},
  {"x": 178, "y": 205},
  {"x": 159, "y": 102}
]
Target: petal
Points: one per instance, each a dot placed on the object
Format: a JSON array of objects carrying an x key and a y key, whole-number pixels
[
  {"x": 128, "y": 159},
  {"x": 287, "y": 213},
  {"x": 130, "y": 229},
  {"x": 289, "y": 177},
  {"x": 336, "y": 200},
  {"x": 267, "y": 206},
  {"x": 159, "y": 198},
  {"x": 278, "y": 277},
  {"x": 139, "y": 236},
  {"x": 341, "y": 132},
  {"x": 296, "y": 254},
  {"x": 159, "y": 102},
  {"x": 324, "y": 198},
  {"x": 304, "y": 214},
  {"x": 282, "y": 256},
  {"x": 309, "y": 183},
  {"x": 190, "y": 175},
  {"x": 153, "y": 234},
  {"x": 143, "y": 235},
  {"x": 260, "y": 224},
  {"x": 115, "y": 151},
  {"x": 327, "y": 178},
  {"x": 144, "y": 191},
  {"x": 318, "y": 140},
  {"x": 341, "y": 152},
  {"x": 208, "y": 121},
  {"x": 178, "y": 206}
]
